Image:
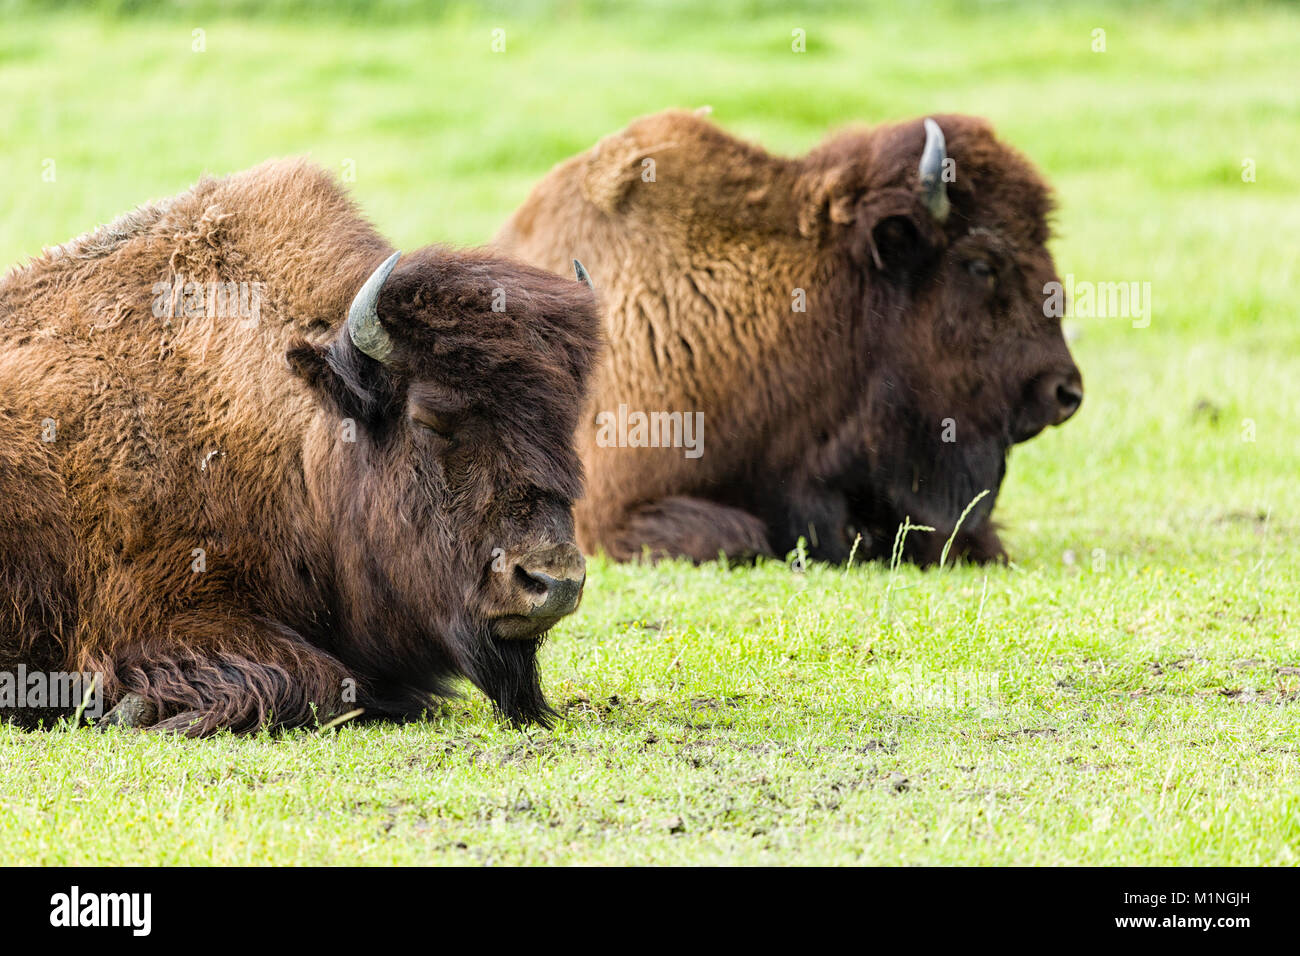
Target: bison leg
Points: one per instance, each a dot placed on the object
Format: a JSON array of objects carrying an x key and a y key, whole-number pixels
[
  {"x": 202, "y": 676},
  {"x": 682, "y": 527},
  {"x": 131, "y": 711}
]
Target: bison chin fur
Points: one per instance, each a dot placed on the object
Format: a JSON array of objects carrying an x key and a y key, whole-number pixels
[
  {"x": 935, "y": 486},
  {"x": 506, "y": 672}
]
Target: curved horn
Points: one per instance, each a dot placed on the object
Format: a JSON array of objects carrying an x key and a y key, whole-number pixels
[
  {"x": 364, "y": 328},
  {"x": 931, "y": 171},
  {"x": 582, "y": 275}
]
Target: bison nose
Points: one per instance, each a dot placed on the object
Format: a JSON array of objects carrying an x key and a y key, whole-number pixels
[
  {"x": 1064, "y": 394},
  {"x": 1048, "y": 399},
  {"x": 551, "y": 581},
  {"x": 555, "y": 597}
]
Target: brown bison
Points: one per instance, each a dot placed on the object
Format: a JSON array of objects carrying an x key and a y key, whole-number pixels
[
  {"x": 256, "y": 470},
  {"x": 815, "y": 348}
]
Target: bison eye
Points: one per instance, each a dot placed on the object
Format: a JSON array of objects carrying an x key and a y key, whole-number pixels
[
  {"x": 440, "y": 425},
  {"x": 980, "y": 269}
]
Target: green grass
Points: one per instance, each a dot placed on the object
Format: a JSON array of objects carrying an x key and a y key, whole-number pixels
[{"x": 1125, "y": 693}]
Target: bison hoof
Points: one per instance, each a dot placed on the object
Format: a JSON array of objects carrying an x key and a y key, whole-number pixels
[{"x": 131, "y": 711}]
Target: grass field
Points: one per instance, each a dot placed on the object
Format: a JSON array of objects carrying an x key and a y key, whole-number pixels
[{"x": 1128, "y": 691}]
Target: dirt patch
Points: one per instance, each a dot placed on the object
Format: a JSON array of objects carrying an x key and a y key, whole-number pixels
[
  {"x": 1249, "y": 695},
  {"x": 715, "y": 703},
  {"x": 1029, "y": 732}
]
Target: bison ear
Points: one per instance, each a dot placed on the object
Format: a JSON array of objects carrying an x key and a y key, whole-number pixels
[
  {"x": 894, "y": 245},
  {"x": 335, "y": 374},
  {"x": 614, "y": 166},
  {"x": 827, "y": 200}
]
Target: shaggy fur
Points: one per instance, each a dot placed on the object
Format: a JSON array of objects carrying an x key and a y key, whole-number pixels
[
  {"x": 346, "y": 546},
  {"x": 823, "y": 424}
]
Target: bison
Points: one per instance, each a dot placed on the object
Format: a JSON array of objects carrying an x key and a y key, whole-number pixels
[
  {"x": 257, "y": 470},
  {"x": 857, "y": 336}
]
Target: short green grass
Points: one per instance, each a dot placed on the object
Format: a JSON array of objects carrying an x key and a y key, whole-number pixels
[{"x": 1126, "y": 692}]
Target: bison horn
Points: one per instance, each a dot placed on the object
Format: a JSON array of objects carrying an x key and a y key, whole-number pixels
[
  {"x": 931, "y": 171},
  {"x": 581, "y": 272},
  {"x": 364, "y": 328}
]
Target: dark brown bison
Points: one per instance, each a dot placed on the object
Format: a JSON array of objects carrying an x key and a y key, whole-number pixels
[
  {"x": 255, "y": 469},
  {"x": 857, "y": 337}
]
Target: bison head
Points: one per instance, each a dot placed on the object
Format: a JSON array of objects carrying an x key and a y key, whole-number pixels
[
  {"x": 442, "y": 472},
  {"x": 937, "y": 239}
]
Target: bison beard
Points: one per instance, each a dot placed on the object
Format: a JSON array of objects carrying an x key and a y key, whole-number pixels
[
  {"x": 242, "y": 522},
  {"x": 933, "y": 491},
  {"x": 506, "y": 671}
]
